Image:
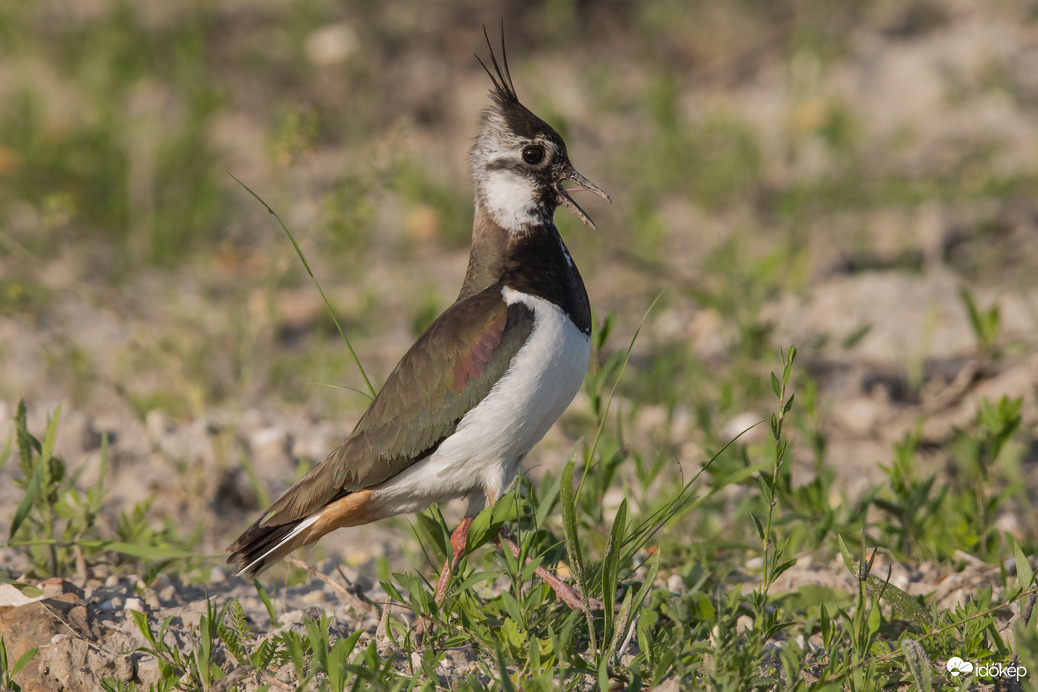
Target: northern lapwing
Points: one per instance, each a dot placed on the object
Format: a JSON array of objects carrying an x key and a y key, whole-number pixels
[{"x": 486, "y": 380}]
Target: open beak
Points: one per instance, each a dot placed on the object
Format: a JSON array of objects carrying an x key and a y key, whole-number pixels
[{"x": 583, "y": 184}]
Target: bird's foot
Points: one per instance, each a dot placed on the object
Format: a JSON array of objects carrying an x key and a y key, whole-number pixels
[
  {"x": 568, "y": 594},
  {"x": 563, "y": 591}
]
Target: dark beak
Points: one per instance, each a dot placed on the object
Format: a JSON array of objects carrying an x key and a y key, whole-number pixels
[{"x": 584, "y": 184}]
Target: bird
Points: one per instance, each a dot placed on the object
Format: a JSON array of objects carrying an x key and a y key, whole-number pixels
[{"x": 487, "y": 379}]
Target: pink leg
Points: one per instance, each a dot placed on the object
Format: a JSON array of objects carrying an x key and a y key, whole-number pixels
[
  {"x": 458, "y": 539},
  {"x": 563, "y": 591}
]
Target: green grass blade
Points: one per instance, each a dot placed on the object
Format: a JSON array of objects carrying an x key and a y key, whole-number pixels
[
  {"x": 569, "y": 527},
  {"x": 616, "y": 384},
  {"x": 1024, "y": 573},
  {"x": 611, "y": 564},
  {"x": 327, "y": 305},
  {"x": 51, "y": 436},
  {"x": 6, "y": 453},
  {"x": 32, "y": 493}
]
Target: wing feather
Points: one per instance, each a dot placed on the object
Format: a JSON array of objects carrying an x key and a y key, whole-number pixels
[{"x": 445, "y": 374}]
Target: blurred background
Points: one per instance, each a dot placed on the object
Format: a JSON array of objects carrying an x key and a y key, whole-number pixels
[{"x": 859, "y": 178}]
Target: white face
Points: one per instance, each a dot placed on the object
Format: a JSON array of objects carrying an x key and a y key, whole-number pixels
[{"x": 506, "y": 180}]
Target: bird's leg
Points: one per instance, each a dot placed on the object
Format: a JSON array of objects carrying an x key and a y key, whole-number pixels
[
  {"x": 563, "y": 591},
  {"x": 458, "y": 539}
]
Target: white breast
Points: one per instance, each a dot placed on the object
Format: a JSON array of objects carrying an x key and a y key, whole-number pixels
[{"x": 485, "y": 449}]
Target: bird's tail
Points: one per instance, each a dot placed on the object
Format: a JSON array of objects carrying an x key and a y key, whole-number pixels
[
  {"x": 261, "y": 545},
  {"x": 268, "y": 540}
]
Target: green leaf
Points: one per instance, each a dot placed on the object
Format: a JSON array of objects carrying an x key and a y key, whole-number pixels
[
  {"x": 27, "y": 590},
  {"x": 611, "y": 564},
  {"x": 144, "y": 626},
  {"x": 511, "y": 607},
  {"x": 47, "y": 451},
  {"x": 1024, "y": 573},
  {"x": 153, "y": 552},
  {"x": 546, "y": 502},
  {"x": 918, "y": 664},
  {"x": 766, "y": 491},
  {"x": 569, "y": 518},
  {"x": 603, "y": 673},
  {"x": 26, "y": 442},
  {"x": 825, "y": 624},
  {"x": 32, "y": 493},
  {"x": 874, "y": 620},
  {"x": 782, "y": 568},
  {"x": 622, "y": 620},
  {"x": 487, "y": 524},
  {"x": 632, "y": 606},
  {"x": 509, "y": 633},
  {"x": 267, "y": 602},
  {"x": 432, "y": 530},
  {"x": 474, "y": 579},
  {"x": 481, "y": 529},
  {"x": 758, "y": 526},
  {"x": 776, "y": 385},
  {"x": 901, "y": 601},
  {"x": 5, "y": 454},
  {"x": 23, "y": 660}
]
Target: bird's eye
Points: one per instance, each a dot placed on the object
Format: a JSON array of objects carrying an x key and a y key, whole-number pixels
[{"x": 533, "y": 154}]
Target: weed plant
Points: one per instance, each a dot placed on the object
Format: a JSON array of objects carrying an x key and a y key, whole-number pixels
[{"x": 715, "y": 621}]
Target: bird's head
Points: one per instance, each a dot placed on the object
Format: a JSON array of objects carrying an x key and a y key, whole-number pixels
[{"x": 519, "y": 162}]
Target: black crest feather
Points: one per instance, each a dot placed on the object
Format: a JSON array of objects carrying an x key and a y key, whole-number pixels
[{"x": 503, "y": 91}]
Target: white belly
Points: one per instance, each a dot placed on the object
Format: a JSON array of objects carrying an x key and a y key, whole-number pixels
[{"x": 484, "y": 452}]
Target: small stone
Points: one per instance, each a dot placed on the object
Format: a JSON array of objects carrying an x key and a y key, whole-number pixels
[
  {"x": 157, "y": 424},
  {"x": 675, "y": 584},
  {"x": 270, "y": 445},
  {"x": 331, "y": 44},
  {"x": 134, "y": 604},
  {"x": 56, "y": 586}
]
